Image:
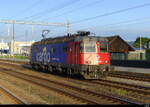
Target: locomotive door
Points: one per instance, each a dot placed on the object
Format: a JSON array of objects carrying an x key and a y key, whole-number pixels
[
  {"x": 70, "y": 58},
  {"x": 74, "y": 53},
  {"x": 77, "y": 53}
]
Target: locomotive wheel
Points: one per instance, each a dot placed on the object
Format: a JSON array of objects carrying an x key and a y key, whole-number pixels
[
  {"x": 50, "y": 69},
  {"x": 54, "y": 70},
  {"x": 36, "y": 67},
  {"x": 70, "y": 72},
  {"x": 33, "y": 67},
  {"x": 46, "y": 68}
]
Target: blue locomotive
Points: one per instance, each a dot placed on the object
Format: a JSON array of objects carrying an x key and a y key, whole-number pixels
[{"x": 77, "y": 54}]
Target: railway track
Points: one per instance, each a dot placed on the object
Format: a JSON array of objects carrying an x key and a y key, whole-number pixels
[
  {"x": 118, "y": 74},
  {"x": 13, "y": 97},
  {"x": 85, "y": 95},
  {"x": 130, "y": 75},
  {"x": 142, "y": 92},
  {"x": 129, "y": 87}
]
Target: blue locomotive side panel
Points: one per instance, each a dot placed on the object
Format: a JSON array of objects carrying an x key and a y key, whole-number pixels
[{"x": 49, "y": 53}]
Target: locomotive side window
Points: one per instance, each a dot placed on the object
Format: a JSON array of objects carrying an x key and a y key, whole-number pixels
[
  {"x": 90, "y": 47},
  {"x": 65, "y": 49},
  {"x": 53, "y": 50},
  {"x": 81, "y": 47},
  {"x": 103, "y": 47},
  {"x": 36, "y": 50}
]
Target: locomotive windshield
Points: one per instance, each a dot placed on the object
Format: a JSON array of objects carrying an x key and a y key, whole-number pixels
[
  {"x": 103, "y": 47},
  {"x": 90, "y": 47}
]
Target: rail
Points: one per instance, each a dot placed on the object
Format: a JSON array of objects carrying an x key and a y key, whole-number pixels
[{"x": 15, "y": 98}]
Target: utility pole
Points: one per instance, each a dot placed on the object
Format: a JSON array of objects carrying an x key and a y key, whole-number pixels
[
  {"x": 140, "y": 47},
  {"x": 26, "y": 35},
  {"x": 33, "y": 31},
  {"x": 68, "y": 28},
  {"x": 8, "y": 31},
  {"x": 140, "y": 43},
  {"x": 13, "y": 38}
]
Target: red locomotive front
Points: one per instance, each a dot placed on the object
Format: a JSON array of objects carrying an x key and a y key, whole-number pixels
[{"x": 91, "y": 56}]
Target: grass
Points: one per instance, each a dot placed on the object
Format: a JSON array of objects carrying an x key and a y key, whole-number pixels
[
  {"x": 120, "y": 92},
  {"x": 15, "y": 56}
]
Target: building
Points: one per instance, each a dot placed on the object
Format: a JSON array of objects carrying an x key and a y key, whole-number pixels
[
  {"x": 4, "y": 48},
  {"x": 148, "y": 44},
  {"x": 138, "y": 54},
  {"x": 21, "y": 48},
  {"x": 119, "y": 48}
]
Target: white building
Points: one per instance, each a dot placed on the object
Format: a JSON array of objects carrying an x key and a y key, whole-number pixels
[
  {"x": 4, "y": 48},
  {"x": 22, "y": 48}
]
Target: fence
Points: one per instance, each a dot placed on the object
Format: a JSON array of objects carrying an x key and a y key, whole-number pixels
[{"x": 130, "y": 56}]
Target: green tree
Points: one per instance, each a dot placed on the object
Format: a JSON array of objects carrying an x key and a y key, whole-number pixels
[
  {"x": 148, "y": 54},
  {"x": 144, "y": 41}
]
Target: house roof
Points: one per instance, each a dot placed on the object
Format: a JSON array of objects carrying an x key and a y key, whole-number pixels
[{"x": 111, "y": 39}]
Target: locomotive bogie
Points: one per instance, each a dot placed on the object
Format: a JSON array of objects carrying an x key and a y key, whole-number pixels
[{"x": 84, "y": 71}]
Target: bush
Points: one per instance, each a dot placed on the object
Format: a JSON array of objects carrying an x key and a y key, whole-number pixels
[{"x": 148, "y": 54}]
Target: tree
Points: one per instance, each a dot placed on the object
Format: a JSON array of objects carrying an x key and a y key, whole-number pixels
[
  {"x": 144, "y": 41},
  {"x": 148, "y": 54}
]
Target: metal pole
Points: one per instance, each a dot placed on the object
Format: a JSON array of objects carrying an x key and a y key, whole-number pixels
[
  {"x": 33, "y": 31},
  {"x": 8, "y": 30},
  {"x": 68, "y": 27},
  {"x": 140, "y": 43},
  {"x": 140, "y": 47},
  {"x": 26, "y": 34},
  {"x": 13, "y": 37}
]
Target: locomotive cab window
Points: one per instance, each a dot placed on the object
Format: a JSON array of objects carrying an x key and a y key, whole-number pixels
[
  {"x": 103, "y": 47},
  {"x": 53, "y": 50},
  {"x": 65, "y": 49},
  {"x": 36, "y": 50},
  {"x": 90, "y": 47},
  {"x": 81, "y": 47}
]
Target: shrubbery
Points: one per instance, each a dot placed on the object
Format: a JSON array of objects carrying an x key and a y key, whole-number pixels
[{"x": 148, "y": 54}]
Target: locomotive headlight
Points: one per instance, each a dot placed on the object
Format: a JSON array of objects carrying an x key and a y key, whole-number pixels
[
  {"x": 104, "y": 69},
  {"x": 107, "y": 62},
  {"x": 88, "y": 62}
]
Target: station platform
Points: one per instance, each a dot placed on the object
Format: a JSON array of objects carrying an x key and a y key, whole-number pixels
[{"x": 133, "y": 69}]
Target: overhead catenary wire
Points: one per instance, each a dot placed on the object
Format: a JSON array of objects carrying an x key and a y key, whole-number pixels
[
  {"x": 27, "y": 9},
  {"x": 127, "y": 23},
  {"x": 69, "y": 4},
  {"x": 76, "y": 9},
  {"x": 117, "y": 23},
  {"x": 111, "y": 13},
  {"x": 50, "y": 10}
]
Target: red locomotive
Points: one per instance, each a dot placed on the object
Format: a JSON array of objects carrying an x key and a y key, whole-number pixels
[{"x": 77, "y": 54}]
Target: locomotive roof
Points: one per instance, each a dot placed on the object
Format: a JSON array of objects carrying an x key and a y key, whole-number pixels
[{"x": 70, "y": 38}]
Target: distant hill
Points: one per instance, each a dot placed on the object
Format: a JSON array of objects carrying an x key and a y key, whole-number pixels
[{"x": 130, "y": 43}]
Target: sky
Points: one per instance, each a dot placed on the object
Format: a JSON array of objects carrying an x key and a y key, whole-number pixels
[{"x": 127, "y": 18}]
